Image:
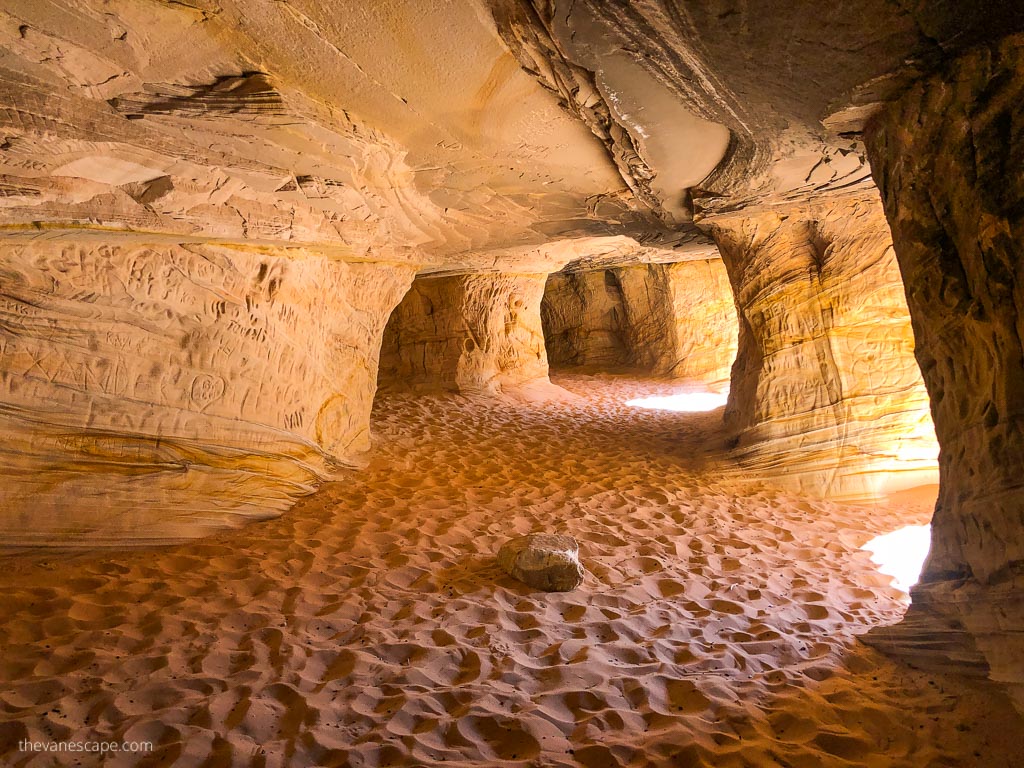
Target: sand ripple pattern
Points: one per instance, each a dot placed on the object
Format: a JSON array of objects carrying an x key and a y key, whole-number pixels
[{"x": 370, "y": 626}]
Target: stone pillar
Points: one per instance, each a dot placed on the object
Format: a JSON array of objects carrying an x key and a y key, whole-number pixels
[
  {"x": 675, "y": 320},
  {"x": 154, "y": 392},
  {"x": 826, "y": 397},
  {"x": 948, "y": 158},
  {"x": 476, "y": 332}
]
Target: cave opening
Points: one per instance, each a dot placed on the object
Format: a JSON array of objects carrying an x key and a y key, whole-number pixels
[
  {"x": 901, "y": 554},
  {"x": 671, "y": 320}
]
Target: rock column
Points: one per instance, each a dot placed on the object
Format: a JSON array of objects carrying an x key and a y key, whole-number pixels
[
  {"x": 947, "y": 157},
  {"x": 826, "y": 397}
]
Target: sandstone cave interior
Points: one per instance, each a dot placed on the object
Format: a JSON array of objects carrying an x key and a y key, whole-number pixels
[{"x": 512, "y": 383}]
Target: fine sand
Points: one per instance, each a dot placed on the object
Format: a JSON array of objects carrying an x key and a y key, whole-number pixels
[{"x": 369, "y": 626}]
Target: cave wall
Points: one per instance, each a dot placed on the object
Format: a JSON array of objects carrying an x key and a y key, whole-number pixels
[
  {"x": 582, "y": 315},
  {"x": 948, "y": 157},
  {"x": 467, "y": 333},
  {"x": 826, "y": 396},
  {"x": 681, "y": 319},
  {"x": 676, "y": 319},
  {"x": 155, "y": 391}
]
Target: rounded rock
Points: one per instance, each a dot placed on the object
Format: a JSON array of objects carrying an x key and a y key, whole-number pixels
[{"x": 544, "y": 561}]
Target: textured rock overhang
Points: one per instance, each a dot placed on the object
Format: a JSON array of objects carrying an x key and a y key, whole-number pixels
[{"x": 405, "y": 131}]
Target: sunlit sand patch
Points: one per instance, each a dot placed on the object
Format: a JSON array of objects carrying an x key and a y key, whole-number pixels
[
  {"x": 901, "y": 554},
  {"x": 683, "y": 402}
]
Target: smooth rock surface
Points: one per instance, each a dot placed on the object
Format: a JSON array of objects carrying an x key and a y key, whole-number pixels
[{"x": 545, "y": 561}]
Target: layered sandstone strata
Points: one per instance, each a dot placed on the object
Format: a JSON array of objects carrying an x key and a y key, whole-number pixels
[
  {"x": 154, "y": 391},
  {"x": 947, "y": 158},
  {"x": 675, "y": 319},
  {"x": 467, "y": 333},
  {"x": 825, "y": 394}
]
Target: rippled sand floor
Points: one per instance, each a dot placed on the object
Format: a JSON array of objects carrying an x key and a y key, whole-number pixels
[{"x": 369, "y": 626}]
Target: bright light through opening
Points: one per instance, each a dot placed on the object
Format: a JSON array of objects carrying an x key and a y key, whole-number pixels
[
  {"x": 685, "y": 402},
  {"x": 901, "y": 554}
]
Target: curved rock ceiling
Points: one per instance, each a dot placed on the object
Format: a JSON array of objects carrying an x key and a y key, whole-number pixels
[
  {"x": 449, "y": 135},
  {"x": 262, "y": 122}
]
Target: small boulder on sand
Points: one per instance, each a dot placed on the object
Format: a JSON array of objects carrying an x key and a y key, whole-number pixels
[{"x": 545, "y": 561}]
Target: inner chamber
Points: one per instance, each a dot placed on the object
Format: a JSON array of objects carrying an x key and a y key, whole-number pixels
[{"x": 289, "y": 352}]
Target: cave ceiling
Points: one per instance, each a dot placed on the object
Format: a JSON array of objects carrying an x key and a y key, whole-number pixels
[{"x": 454, "y": 135}]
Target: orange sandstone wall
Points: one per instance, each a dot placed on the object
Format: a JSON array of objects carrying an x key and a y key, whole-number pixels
[
  {"x": 583, "y": 317},
  {"x": 674, "y": 319},
  {"x": 153, "y": 392},
  {"x": 467, "y": 333},
  {"x": 947, "y": 157}
]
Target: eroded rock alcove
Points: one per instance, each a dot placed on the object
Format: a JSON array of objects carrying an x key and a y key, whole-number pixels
[
  {"x": 467, "y": 333},
  {"x": 676, "y": 319},
  {"x": 390, "y": 278}
]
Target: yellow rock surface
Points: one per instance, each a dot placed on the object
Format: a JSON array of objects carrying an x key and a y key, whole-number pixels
[{"x": 826, "y": 396}]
